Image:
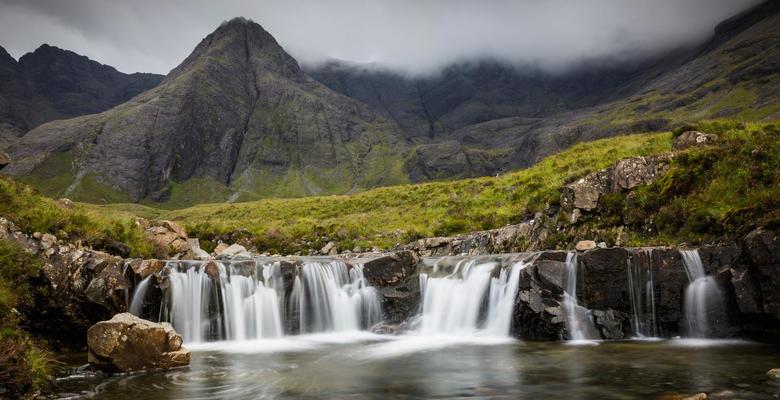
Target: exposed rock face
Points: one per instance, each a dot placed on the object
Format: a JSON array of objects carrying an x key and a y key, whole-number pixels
[
  {"x": 583, "y": 245},
  {"x": 746, "y": 272},
  {"x": 77, "y": 288},
  {"x": 127, "y": 343},
  {"x": 626, "y": 174},
  {"x": 690, "y": 139},
  {"x": 237, "y": 112}
]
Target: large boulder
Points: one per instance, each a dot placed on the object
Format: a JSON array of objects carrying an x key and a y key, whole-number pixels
[
  {"x": 126, "y": 343},
  {"x": 690, "y": 139},
  {"x": 169, "y": 238}
]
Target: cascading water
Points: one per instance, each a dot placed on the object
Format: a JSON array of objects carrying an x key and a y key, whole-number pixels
[
  {"x": 250, "y": 300},
  {"x": 136, "y": 305},
  {"x": 469, "y": 301},
  {"x": 642, "y": 295},
  {"x": 331, "y": 298},
  {"x": 704, "y": 310},
  {"x": 579, "y": 321}
]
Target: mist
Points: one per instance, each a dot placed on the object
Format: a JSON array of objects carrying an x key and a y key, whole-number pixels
[{"x": 411, "y": 36}]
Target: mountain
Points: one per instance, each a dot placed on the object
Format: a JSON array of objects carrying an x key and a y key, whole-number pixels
[
  {"x": 51, "y": 83},
  {"x": 483, "y": 118},
  {"x": 237, "y": 118}
]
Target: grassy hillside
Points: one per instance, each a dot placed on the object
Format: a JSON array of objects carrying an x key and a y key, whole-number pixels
[
  {"x": 708, "y": 193},
  {"x": 387, "y": 216}
]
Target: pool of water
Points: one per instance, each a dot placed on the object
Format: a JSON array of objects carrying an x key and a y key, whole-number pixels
[{"x": 364, "y": 366}]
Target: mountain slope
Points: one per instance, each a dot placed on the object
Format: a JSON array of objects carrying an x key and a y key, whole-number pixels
[
  {"x": 237, "y": 119},
  {"x": 51, "y": 83},
  {"x": 482, "y": 119}
]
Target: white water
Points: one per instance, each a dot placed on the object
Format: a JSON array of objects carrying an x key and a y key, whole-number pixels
[
  {"x": 469, "y": 302},
  {"x": 326, "y": 297},
  {"x": 642, "y": 295},
  {"x": 329, "y": 297},
  {"x": 139, "y": 294},
  {"x": 579, "y": 322},
  {"x": 703, "y": 305}
]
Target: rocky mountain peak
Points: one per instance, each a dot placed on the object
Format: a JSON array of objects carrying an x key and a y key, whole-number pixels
[{"x": 240, "y": 41}]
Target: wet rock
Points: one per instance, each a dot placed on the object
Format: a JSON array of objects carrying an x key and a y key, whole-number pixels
[
  {"x": 773, "y": 373},
  {"x": 126, "y": 343},
  {"x": 584, "y": 245},
  {"x": 690, "y": 139},
  {"x": 212, "y": 269},
  {"x": 390, "y": 269},
  {"x": 144, "y": 268},
  {"x": 745, "y": 291},
  {"x": 395, "y": 276}
]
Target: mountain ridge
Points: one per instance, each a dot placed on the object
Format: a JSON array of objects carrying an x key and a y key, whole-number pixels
[
  {"x": 237, "y": 112},
  {"x": 50, "y": 83},
  {"x": 239, "y": 119}
]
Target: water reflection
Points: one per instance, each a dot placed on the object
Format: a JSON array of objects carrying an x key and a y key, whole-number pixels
[{"x": 367, "y": 368}]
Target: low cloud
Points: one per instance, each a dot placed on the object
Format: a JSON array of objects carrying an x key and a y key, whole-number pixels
[{"x": 410, "y": 35}]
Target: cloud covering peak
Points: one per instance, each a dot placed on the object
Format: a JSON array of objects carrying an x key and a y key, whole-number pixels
[{"x": 410, "y": 35}]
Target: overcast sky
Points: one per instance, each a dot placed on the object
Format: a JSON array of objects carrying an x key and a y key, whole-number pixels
[{"x": 416, "y": 36}]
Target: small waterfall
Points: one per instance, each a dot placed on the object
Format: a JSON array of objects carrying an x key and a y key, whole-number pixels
[
  {"x": 704, "y": 309},
  {"x": 642, "y": 295},
  {"x": 248, "y": 300},
  {"x": 136, "y": 305},
  {"x": 470, "y": 301},
  {"x": 579, "y": 321},
  {"x": 330, "y": 297}
]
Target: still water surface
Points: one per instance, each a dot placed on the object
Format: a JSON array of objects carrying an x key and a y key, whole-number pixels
[{"x": 365, "y": 366}]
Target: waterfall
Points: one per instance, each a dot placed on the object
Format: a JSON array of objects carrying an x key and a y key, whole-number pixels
[
  {"x": 703, "y": 306},
  {"x": 331, "y": 298},
  {"x": 579, "y": 321},
  {"x": 136, "y": 305},
  {"x": 469, "y": 301},
  {"x": 642, "y": 295},
  {"x": 248, "y": 300}
]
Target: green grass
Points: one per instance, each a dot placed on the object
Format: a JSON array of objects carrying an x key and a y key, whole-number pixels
[
  {"x": 33, "y": 212},
  {"x": 26, "y": 365},
  {"x": 387, "y": 216},
  {"x": 708, "y": 193}
]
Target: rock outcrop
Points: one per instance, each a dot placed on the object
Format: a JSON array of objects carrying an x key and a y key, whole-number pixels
[
  {"x": 169, "y": 238},
  {"x": 690, "y": 139},
  {"x": 126, "y": 343},
  {"x": 77, "y": 286},
  {"x": 625, "y": 175}
]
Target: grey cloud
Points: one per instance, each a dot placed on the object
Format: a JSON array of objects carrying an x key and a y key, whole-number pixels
[{"x": 415, "y": 36}]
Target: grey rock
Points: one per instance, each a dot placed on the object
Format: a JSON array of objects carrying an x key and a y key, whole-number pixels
[
  {"x": 690, "y": 139},
  {"x": 126, "y": 343}
]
